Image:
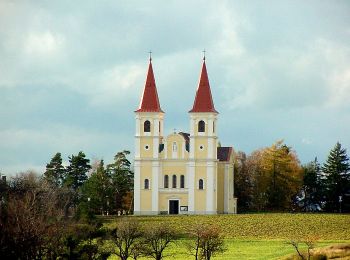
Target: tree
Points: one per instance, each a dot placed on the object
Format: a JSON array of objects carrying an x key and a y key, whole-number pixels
[
  {"x": 243, "y": 181},
  {"x": 283, "y": 169},
  {"x": 98, "y": 188},
  {"x": 31, "y": 217},
  {"x": 75, "y": 176},
  {"x": 206, "y": 241},
  {"x": 76, "y": 171},
  {"x": 337, "y": 176},
  {"x": 121, "y": 178},
  {"x": 312, "y": 191},
  {"x": 125, "y": 237},
  {"x": 55, "y": 171},
  {"x": 156, "y": 238}
]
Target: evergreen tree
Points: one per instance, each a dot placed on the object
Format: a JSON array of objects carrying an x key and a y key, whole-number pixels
[
  {"x": 76, "y": 173},
  {"x": 121, "y": 176},
  {"x": 337, "y": 176},
  {"x": 99, "y": 189},
  {"x": 313, "y": 188},
  {"x": 55, "y": 171}
]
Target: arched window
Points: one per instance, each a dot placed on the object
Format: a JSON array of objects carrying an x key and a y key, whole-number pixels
[
  {"x": 182, "y": 181},
  {"x": 201, "y": 184},
  {"x": 147, "y": 126},
  {"x": 213, "y": 127},
  {"x": 166, "y": 181},
  {"x": 201, "y": 126},
  {"x": 174, "y": 181},
  {"x": 146, "y": 184},
  {"x": 174, "y": 147}
]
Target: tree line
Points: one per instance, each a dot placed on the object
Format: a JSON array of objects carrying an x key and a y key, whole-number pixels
[
  {"x": 273, "y": 179},
  {"x": 107, "y": 190},
  {"x": 33, "y": 226}
]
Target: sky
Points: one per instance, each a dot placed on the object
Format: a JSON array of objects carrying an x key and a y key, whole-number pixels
[{"x": 72, "y": 74}]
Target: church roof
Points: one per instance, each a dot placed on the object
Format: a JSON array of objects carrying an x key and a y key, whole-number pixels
[
  {"x": 224, "y": 153},
  {"x": 203, "y": 101},
  {"x": 149, "y": 101}
]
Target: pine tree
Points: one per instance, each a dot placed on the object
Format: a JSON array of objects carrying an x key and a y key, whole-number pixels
[
  {"x": 121, "y": 176},
  {"x": 55, "y": 171},
  {"x": 337, "y": 176},
  {"x": 77, "y": 170},
  {"x": 312, "y": 187}
]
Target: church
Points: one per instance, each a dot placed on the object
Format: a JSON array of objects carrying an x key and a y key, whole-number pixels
[{"x": 181, "y": 173}]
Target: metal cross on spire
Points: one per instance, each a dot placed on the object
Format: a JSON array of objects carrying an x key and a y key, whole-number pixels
[
  {"x": 204, "y": 54},
  {"x": 150, "y": 55}
]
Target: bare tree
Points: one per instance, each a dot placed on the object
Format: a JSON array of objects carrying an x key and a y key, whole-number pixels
[
  {"x": 125, "y": 236},
  {"x": 206, "y": 241},
  {"x": 30, "y": 215},
  {"x": 309, "y": 241},
  {"x": 157, "y": 238}
]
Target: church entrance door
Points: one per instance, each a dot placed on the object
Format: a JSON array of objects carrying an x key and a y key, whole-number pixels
[{"x": 173, "y": 207}]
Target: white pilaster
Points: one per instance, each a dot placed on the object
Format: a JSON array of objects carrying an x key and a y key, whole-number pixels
[{"x": 137, "y": 187}]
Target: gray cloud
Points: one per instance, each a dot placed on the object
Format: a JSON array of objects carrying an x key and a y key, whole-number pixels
[{"x": 72, "y": 72}]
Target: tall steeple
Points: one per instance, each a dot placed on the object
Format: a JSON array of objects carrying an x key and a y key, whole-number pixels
[
  {"x": 203, "y": 101},
  {"x": 149, "y": 101}
]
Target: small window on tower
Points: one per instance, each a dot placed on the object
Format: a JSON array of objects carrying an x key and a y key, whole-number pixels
[
  {"x": 201, "y": 184},
  {"x": 147, "y": 126},
  {"x": 146, "y": 184},
  {"x": 201, "y": 126},
  {"x": 159, "y": 127},
  {"x": 213, "y": 127}
]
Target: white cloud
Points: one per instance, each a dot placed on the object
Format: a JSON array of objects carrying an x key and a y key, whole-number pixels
[
  {"x": 43, "y": 43},
  {"x": 340, "y": 88}
]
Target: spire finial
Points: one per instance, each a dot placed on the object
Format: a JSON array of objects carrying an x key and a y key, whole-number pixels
[
  {"x": 150, "y": 55},
  {"x": 204, "y": 54}
]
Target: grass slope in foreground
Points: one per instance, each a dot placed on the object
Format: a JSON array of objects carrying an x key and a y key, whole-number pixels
[{"x": 259, "y": 236}]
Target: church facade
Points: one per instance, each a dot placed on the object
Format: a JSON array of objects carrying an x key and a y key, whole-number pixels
[{"x": 181, "y": 173}]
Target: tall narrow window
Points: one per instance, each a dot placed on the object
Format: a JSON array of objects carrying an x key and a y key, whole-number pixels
[
  {"x": 146, "y": 184},
  {"x": 214, "y": 127},
  {"x": 174, "y": 147},
  {"x": 200, "y": 184},
  {"x": 147, "y": 126},
  {"x": 201, "y": 126},
  {"x": 182, "y": 181},
  {"x": 174, "y": 181},
  {"x": 166, "y": 181},
  {"x": 159, "y": 127}
]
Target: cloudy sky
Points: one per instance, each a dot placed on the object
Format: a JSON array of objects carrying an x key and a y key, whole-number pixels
[{"x": 72, "y": 73}]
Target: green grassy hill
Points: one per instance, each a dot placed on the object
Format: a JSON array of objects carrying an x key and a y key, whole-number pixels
[{"x": 258, "y": 236}]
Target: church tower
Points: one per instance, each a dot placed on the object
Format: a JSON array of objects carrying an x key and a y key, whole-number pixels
[
  {"x": 202, "y": 165},
  {"x": 149, "y": 134}
]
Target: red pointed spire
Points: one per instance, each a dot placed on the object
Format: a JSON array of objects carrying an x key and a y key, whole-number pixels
[
  {"x": 149, "y": 101},
  {"x": 203, "y": 101}
]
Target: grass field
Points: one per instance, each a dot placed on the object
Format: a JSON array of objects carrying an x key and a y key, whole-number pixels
[{"x": 258, "y": 236}]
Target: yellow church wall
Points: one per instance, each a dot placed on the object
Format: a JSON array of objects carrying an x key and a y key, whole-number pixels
[
  {"x": 165, "y": 197},
  {"x": 220, "y": 187},
  {"x": 146, "y": 200},
  {"x": 201, "y": 153},
  {"x": 143, "y": 152},
  {"x": 200, "y": 195},
  {"x": 180, "y": 142},
  {"x": 146, "y": 195}
]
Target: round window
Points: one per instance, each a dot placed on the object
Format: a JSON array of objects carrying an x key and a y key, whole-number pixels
[
  {"x": 201, "y": 147},
  {"x": 146, "y": 147}
]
